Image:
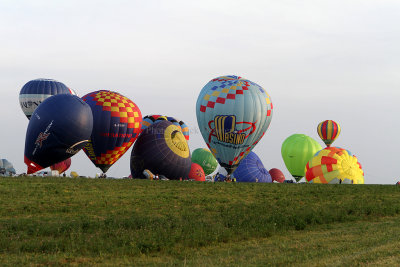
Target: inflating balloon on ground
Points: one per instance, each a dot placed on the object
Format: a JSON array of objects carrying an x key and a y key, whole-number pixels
[
  {"x": 61, "y": 166},
  {"x": 233, "y": 114},
  {"x": 251, "y": 169},
  {"x": 334, "y": 165},
  {"x": 197, "y": 173},
  {"x": 57, "y": 130},
  {"x": 163, "y": 150},
  {"x": 116, "y": 125},
  {"x": 6, "y": 168},
  {"x": 296, "y": 151},
  {"x": 277, "y": 175}
]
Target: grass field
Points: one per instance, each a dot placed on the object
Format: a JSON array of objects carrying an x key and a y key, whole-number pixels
[{"x": 62, "y": 221}]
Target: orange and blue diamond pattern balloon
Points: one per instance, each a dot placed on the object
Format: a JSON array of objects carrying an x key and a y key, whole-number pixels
[
  {"x": 328, "y": 131},
  {"x": 116, "y": 125},
  {"x": 334, "y": 165},
  {"x": 233, "y": 114},
  {"x": 150, "y": 119}
]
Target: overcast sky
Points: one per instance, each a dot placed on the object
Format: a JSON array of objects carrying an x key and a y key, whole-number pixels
[{"x": 318, "y": 60}]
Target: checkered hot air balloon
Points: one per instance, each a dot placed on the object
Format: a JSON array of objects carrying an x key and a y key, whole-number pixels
[
  {"x": 150, "y": 119},
  {"x": 233, "y": 114},
  {"x": 116, "y": 125},
  {"x": 334, "y": 165},
  {"x": 328, "y": 131}
]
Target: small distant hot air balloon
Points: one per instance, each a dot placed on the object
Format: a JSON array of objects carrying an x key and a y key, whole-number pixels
[
  {"x": 150, "y": 119},
  {"x": 251, "y": 169},
  {"x": 205, "y": 159},
  {"x": 117, "y": 124},
  {"x": 277, "y": 175},
  {"x": 197, "y": 173},
  {"x": 233, "y": 114},
  {"x": 36, "y": 91},
  {"x": 163, "y": 150},
  {"x": 296, "y": 151},
  {"x": 57, "y": 130},
  {"x": 61, "y": 166},
  {"x": 6, "y": 168},
  {"x": 328, "y": 131},
  {"x": 334, "y": 165}
]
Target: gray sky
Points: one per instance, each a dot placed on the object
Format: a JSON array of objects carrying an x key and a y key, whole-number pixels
[{"x": 317, "y": 59}]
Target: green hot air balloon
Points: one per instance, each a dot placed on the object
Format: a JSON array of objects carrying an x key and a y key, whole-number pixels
[
  {"x": 296, "y": 151},
  {"x": 205, "y": 159}
]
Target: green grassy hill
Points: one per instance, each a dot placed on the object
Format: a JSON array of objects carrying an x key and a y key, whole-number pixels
[{"x": 60, "y": 221}]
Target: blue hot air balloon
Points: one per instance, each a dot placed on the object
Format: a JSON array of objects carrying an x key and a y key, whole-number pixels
[
  {"x": 150, "y": 119},
  {"x": 36, "y": 91},
  {"x": 117, "y": 124},
  {"x": 233, "y": 114},
  {"x": 251, "y": 169},
  {"x": 6, "y": 168},
  {"x": 57, "y": 130},
  {"x": 162, "y": 149}
]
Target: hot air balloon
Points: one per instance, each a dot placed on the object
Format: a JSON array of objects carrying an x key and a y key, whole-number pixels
[
  {"x": 334, "y": 165},
  {"x": 328, "y": 131},
  {"x": 251, "y": 169},
  {"x": 197, "y": 173},
  {"x": 36, "y": 91},
  {"x": 116, "y": 125},
  {"x": 205, "y": 159},
  {"x": 57, "y": 130},
  {"x": 6, "y": 168},
  {"x": 233, "y": 114},
  {"x": 296, "y": 151},
  {"x": 61, "y": 166},
  {"x": 277, "y": 175},
  {"x": 150, "y": 119},
  {"x": 163, "y": 150}
]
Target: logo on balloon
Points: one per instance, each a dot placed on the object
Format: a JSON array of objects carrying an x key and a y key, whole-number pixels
[{"x": 225, "y": 129}]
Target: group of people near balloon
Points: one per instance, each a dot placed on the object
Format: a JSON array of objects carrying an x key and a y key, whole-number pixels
[{"x": 233, "y": 115}]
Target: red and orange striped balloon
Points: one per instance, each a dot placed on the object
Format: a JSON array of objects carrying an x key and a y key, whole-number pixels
[{"x": 328, "y": 131}]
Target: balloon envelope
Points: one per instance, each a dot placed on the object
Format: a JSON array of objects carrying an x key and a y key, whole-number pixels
[
  {"x": 233, "y": 114},
  {"x": 334, "y": 165},
  {"x": 328, "y": 131},
  {"x": 150, "y": 119},
  {"x": 277, "y": 175},
  {"x": 251, "y": 169},
  {"x": 36, "y": 91},
  {"x": 205, "y": 159},
  {"x": 296, "y": 151},
  {"x": 57, "y": 130},
  {"x": 197, "y": 173},
  {"x": 6, "y": 168},
  {"x": 163, "y": 150},
  {"x": 61, "y": 166},
  {"x": 116, "y": 125}
]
